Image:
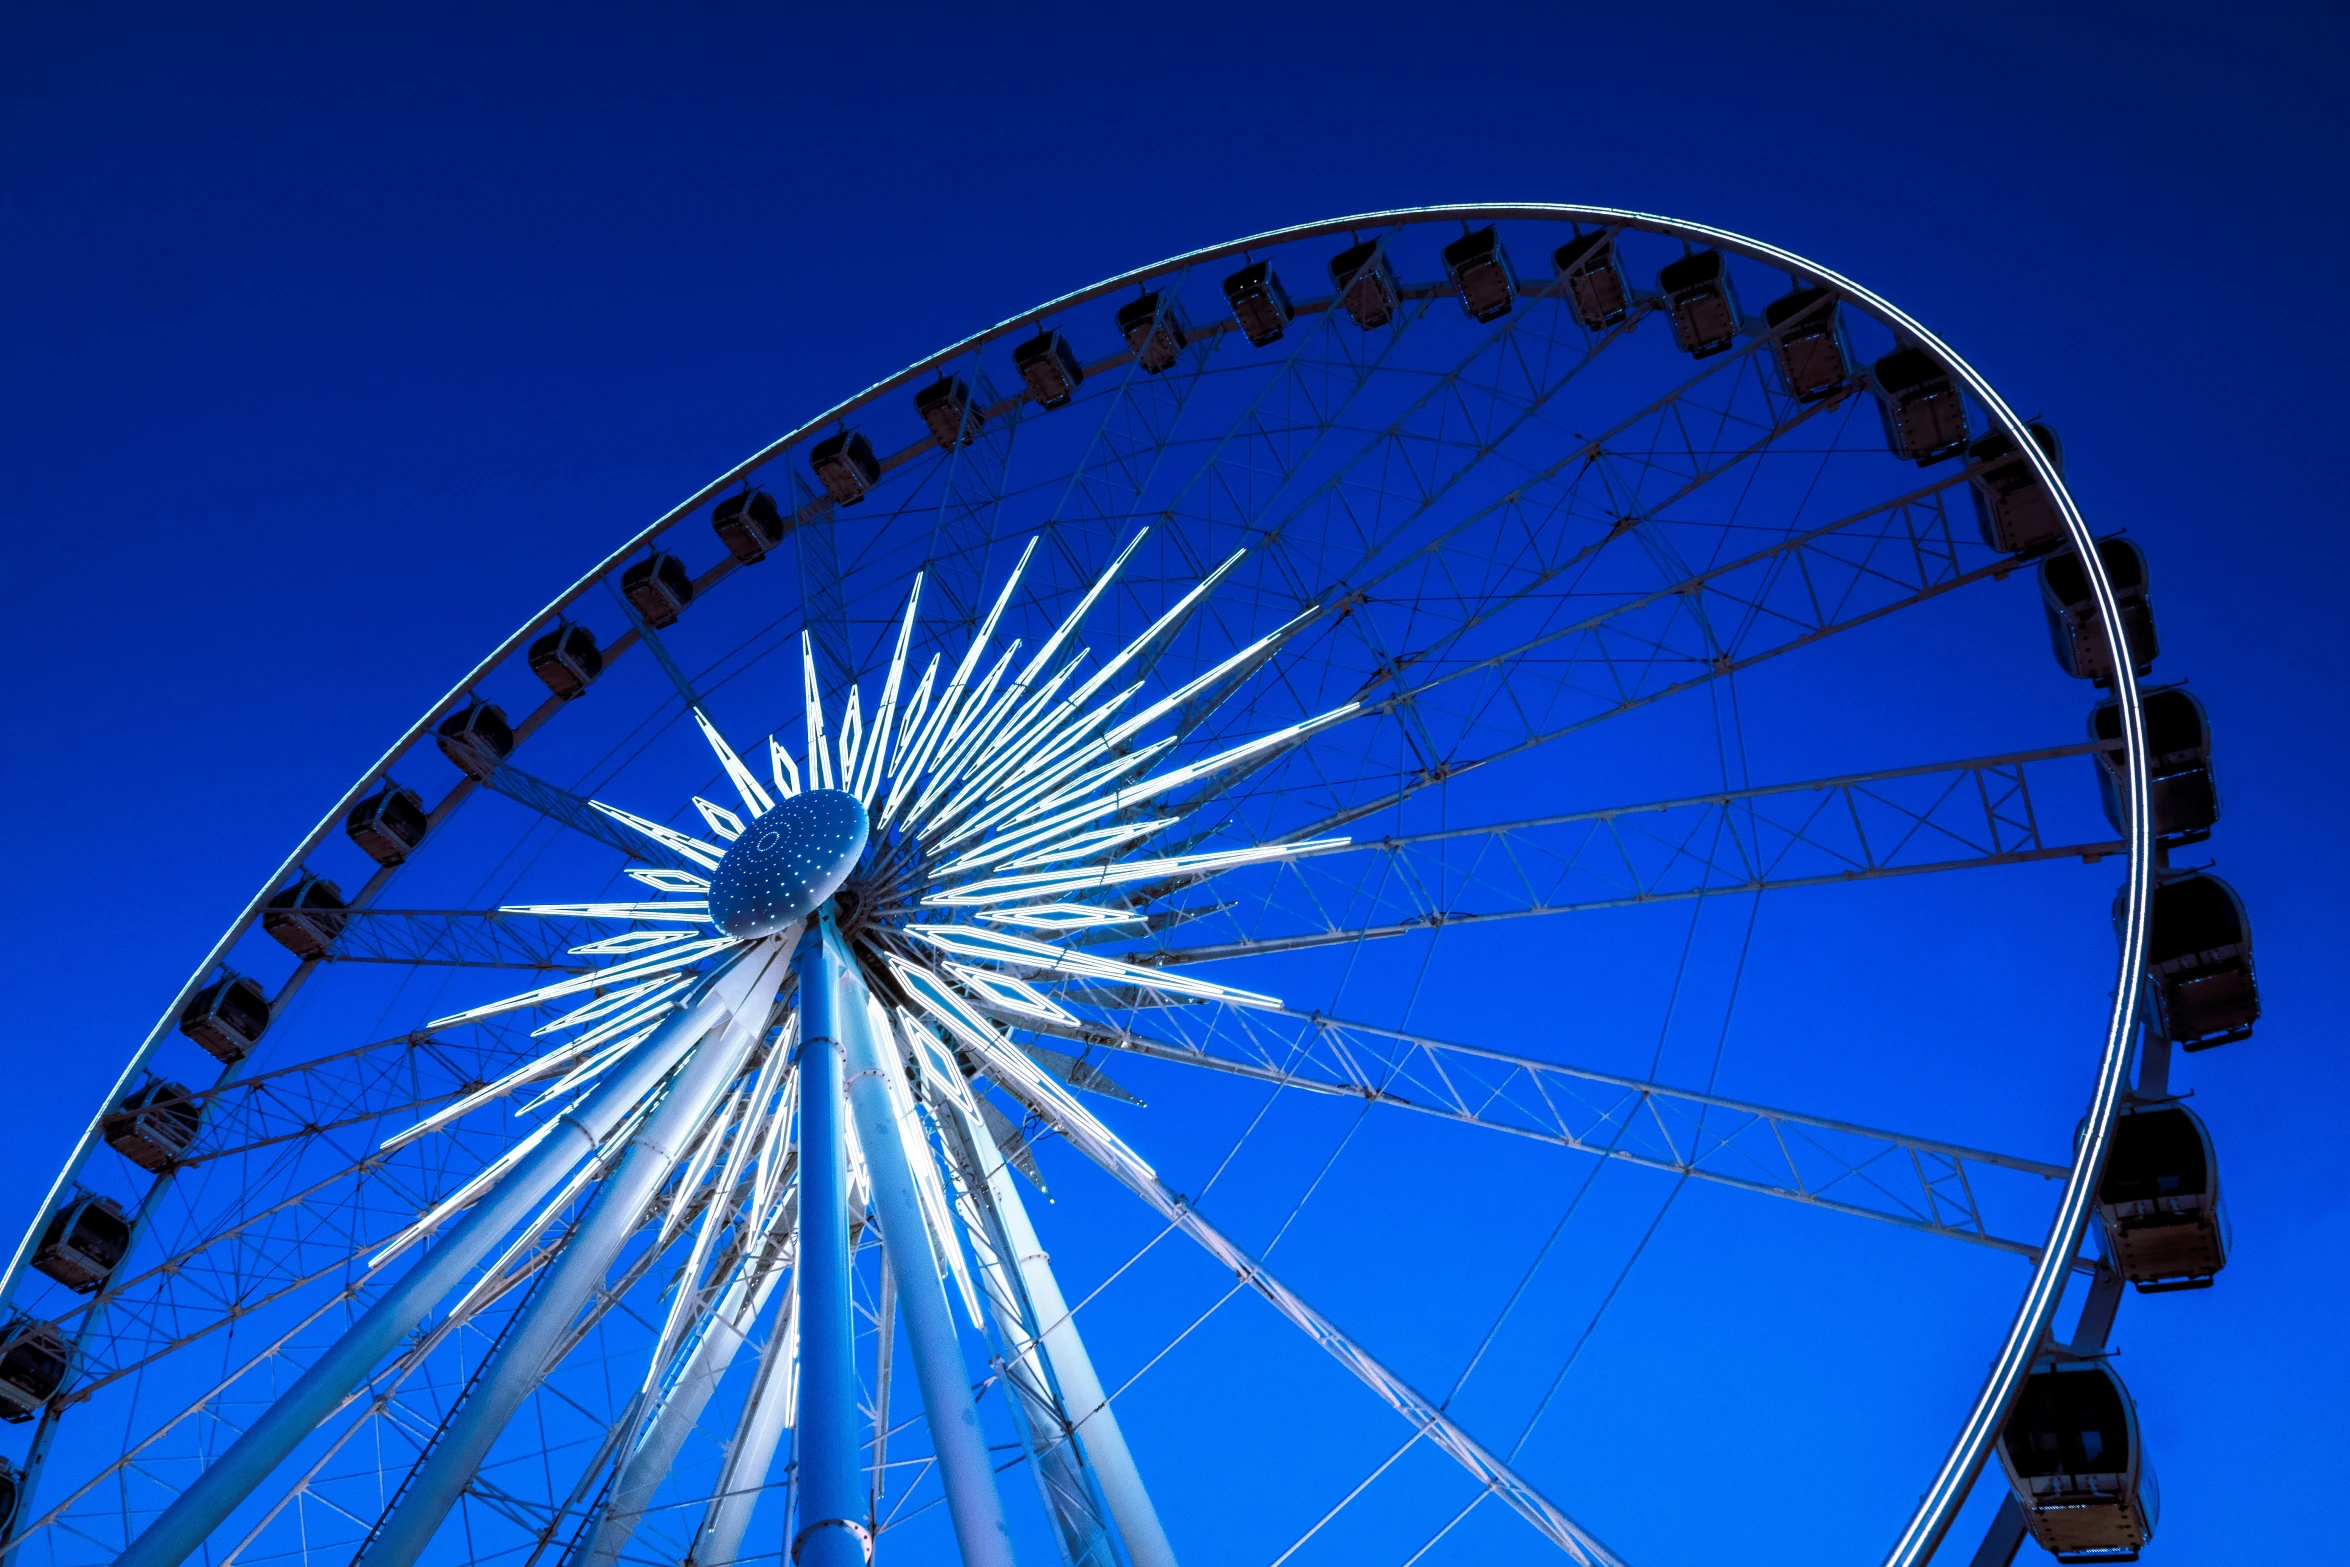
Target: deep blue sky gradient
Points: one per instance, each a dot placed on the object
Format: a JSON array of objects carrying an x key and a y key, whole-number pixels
[{"x": 338, "y": 340}]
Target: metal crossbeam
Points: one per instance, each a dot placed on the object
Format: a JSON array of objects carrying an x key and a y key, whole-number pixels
[
  {"x": 1917, "y": 1183},
  {"x": 1901, "y": 821},
  {"x": 561, "y": 805},
  {"x": 464, "y": 938}
]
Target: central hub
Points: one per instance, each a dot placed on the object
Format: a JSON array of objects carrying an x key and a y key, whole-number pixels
[{"x": 787, "y": 863}]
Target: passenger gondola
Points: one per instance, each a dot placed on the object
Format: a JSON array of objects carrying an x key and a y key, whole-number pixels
[
  {"x": 2073, "y": 1456},
  {"x": 2014, "y": 511},
  {"x": 2178, "y": 756},
  {"x": 2199, "y": 963},
  {"x": 2073, "y": 627},
  {"x": 305, "y": 916},
  {"x": 659, "y": 588},
  {"x": 1925, "y": 418},
  {"x": 1596, "y": 287},
  {"x": 84, "y": 1241},
  {"x": 388, "y": 824},
  {"x": 476, "y": 739},
  {"x": 946, "y": 411},
  {"x": 2159, "y": 1199},
  {"x": 1703, "y": 305},
  {"x": 567, "y": 659},
  {"x": 1813, "y": 360},
  {"x": 1366, "y": 284},
  {"x": 1480, "y": 271},
  {"x": 1259, "y": 303},
  {"x": 1050, "y": 368},
  {"x": 153, "y": 1125},
  {"x": 227, "y": 1017},
  {"x": 1154, "y": 329},
  {"x": 748, "y": 524},
  {"x": 32, "y": 1367},
  {"x": 844, "y": 464}
]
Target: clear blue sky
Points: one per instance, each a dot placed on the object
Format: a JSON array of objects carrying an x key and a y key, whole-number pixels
[{"x": 339, "y": 339}]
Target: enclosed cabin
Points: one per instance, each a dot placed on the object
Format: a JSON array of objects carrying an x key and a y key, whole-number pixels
[
  {"x": 2014, "y": 510},
  {"x": 2073, "y": 1458},
  {"x": 1808, "y": 342},
  {"x": 845, "y": 465},
  {"x": 658, "y": 588},
  {"x": 32, "y": 1367},
  {"x": 1703, "y": 306},
  {"x": 1049, "y": 368},
  {"x": 1597, "y": 291},
  {"x": 2185, "y": 799},
  {"x": 305, "y": 916},
  {"x": 947, "y": 412},
  {"x": 2074, "y": 629},
  {"x": 153, "y": 1125},
  {"x": 748, "y": 524},
  {"x": 1925, "y": 418},
  {"x": 1154, "y": 329},
  {"x": 476, "y": 739},
  {"x": 1480, "y": 272},
  {"x": 567, "y": 659},
  {"x": 1260, "y": 305},
  {"x": 227, "y": 1017},
  {"x": 2159, "y": 1199},
  {"x": 84, "y": 1241},
  {"x": 1365, "y": 280},
  {"x": 388, "y": 825},
  {"x": 2199, "y": 962}
]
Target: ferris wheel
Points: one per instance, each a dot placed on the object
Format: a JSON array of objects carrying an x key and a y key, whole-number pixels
[{"x": 1301, "y": 906}]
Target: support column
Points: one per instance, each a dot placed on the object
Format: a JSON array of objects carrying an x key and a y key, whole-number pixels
[
  {"x": 964, "y": 1464},
  {"x": 1096, "y": 1424},
  {"x": 830, "y": 1530},
  {"x": 522, "y": 1358},
  {"x": 319, "y": 1391}
]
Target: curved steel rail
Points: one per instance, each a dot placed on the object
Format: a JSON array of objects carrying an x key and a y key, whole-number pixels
[{"x": 1940, "y": 1502}]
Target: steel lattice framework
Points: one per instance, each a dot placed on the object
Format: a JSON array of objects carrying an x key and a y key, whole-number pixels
[{"x": 1176, "y": 686}]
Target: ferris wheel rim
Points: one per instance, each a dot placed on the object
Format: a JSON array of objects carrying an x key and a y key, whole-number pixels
[{"x": 1971, "y": 1447}]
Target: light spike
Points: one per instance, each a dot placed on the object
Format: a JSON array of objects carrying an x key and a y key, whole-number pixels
[
  {"x": 1011, "y": 889},
  {"x": 900, "y": 774},
  {"x": 995, "y": 946},
  {"x": 1256, "y": 652},
  {"x": 667, "y": 958},
  {"x": 1001, "y": 1061},
  {"x": 627, "y": 942},
  {"x": 1068, "y": 627},
  {"x": 756, "y": 799},
  {"x": 663, "y": 879},
  {"x": 706, "y": 855},
  {"x": 1159, "y": 628},
  {"x": 603, "y": 1006},
  {"x": 786, "y": 771},
  {"x": 686, "y": 911},
  {"x": 942, "y": 772},
  {"x": 877, "y": 756},
  {"x": 1000, "y": 754},
  {"x": 1062, "y": 916},
  {"x": 819, "y": 761},
  {"x": 951, "y": 699},
  {"x": 852, "y": 737},
  {"x": 722, "y": 821}
]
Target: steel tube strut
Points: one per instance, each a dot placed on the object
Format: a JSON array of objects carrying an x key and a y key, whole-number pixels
[
  {"x": 964, "y": 1466},
  {"x": 1081, "y": 1390},
  {"x": 522, "y": 1359},
  {"x": 645, "y": 1466},
  {"x": 767, "y": 1411},
  {"x": 192, "y": 1515},
  {"x": 831, "y": 1529}
]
